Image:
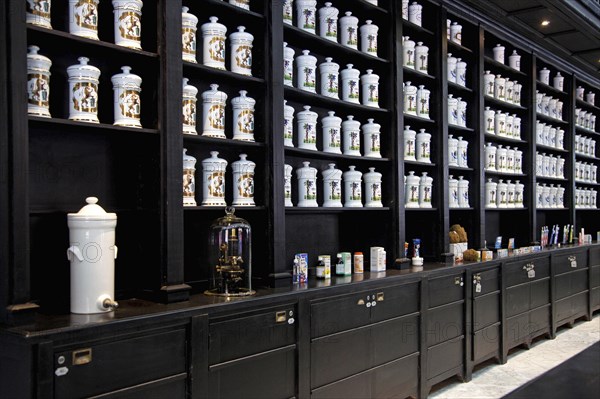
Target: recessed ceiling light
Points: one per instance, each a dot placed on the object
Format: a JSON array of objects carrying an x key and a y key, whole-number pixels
[{"x": 545, "y": 22}]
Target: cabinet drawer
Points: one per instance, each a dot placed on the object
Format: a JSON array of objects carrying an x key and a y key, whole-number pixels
[
  {"x": 540, "y": 293},
  {"x": 486, "y": 311},
  {"x": 339, "y": 314},
  {"x": 395, "y": 338},
  {"x": 595, "y": 298},
  {"x": 397, "y": 379},
  {"x": 263, "y": 376},
  {"x": 564, "y": 263},
  {"x": 95, "y": 369},
  {"x": 243, "y": 336},
  {"x": 572, "y": 307},
  {"x": 489, "y": 280},
  {"x": 571, "y": 283},
  {"x": 563, "y": 309},
  {"x": 395, "y": 301},
  {"x": 444, "y": 323},
  {"x": 444, "y": 357},
  {"x": 595, "y": 256},
  {"x": 517, "y": 300},
  {"x": 355, "y": 387},
  {"x": 486, "y": 341},
  {"x": 443, "y": 290},
  {"x": 595, "y": 282},
  {"x": 517, "y": 329},
  {"x": 539, "y": 321},
  {"x": 166, "y": 388},
  {"x": 579, "y": 281},
  {"x": 516, "y": 273}
]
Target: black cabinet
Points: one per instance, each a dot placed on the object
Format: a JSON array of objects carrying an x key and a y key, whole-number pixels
[
  {"x": 571, "y": 286},
  {"x": 594, "y": 269}
]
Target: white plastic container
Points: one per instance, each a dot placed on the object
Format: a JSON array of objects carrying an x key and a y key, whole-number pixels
[
  {"x": 328, "y": 20},
  {"x": 288, "y": 125},
  {"x": 243, "y": 117},
  {"x": 38, "y": 13},
  {"x": 306, "y": 15},
  {"x": 423, "y": 146},
  {"x": 306, "y": 72},
  {"x": 128, "y": 23},
  {"x": 421, "y": 57},
  {"x": 350, "y": 84},
  {"x": 332, "y": 133},
  {"x": 368, "y": 38},
  {"x": 92, "y": 253},
  {"x": 288, "y": 65},
  {"x": 514, "y": 61},
  {"x": 349, "y": 30},
  {"x": 307, "y": 186},
  {"x": 83, "y": 91},
  {"x": 38, "y": 82},
  {"x": 423, "y": 102},
  {"x": 189, "y": 23},
  {"x": 243, "y": 181},
  {"x": 352, "y": 188},
  {"x": 410, "y": 144},
  {"x": 370, "y": 89},
  {"x": 415, "y": 13},
  {"x": 306, "y": 129},
  {"x": 332, "y": 187},
  {"x": 127, "y": 101},
  {"x": 329, "y": 72},
  {"x": 213, "y": 180},
  {"x": 372, "y": 139},
  {"x": 189, "y": 179},
  {"x": 372, "y": 189},
  {"x": 213, "y": 38},
  {"x": 241, "y": 51},
  {"x": 188, "y": 107},
  {"x": 287, "y": 185},
  {"x": 351, "y": 136},
  {"x": 213, "y": 115},
  {"x": 499, "y": 53},
  {"x": 83, "y": 18}
]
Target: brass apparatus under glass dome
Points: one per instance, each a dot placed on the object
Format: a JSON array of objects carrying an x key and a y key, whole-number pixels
[{"x": 230, "y": 256}]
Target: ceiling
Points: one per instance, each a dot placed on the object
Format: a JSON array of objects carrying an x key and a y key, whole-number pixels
[{"x": 573, "y": 29}]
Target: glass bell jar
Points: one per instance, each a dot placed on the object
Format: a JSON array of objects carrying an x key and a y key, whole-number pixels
[{"x": 230, "y": 256}]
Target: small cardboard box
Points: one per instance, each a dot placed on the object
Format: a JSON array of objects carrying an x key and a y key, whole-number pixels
[
  {"x": 457, "y": 249},
  {"x": 487, "y": 255}
]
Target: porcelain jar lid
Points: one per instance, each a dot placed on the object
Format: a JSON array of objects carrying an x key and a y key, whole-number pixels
[
  {"x": 37, "y": 61},
  {"x": 371, "y": 126},
  {"x": 214, "y": 95},
  {"x": 329, "y": 64},
  {"x": 241, "y": 36},
  {"x": 83, "y": 70},
  {"x": 369, "y": 27},
  {"x": 350, "y": 72},
  {"x": 328, "y": 10},
  {"x": 214, "y": 161},
  {"x": 350, "y": 123},
  {"x": 306, "y": 172},
  {"x": 243, "y": 101},
  {"x": 308, "y": 114},
  {"x": 189, "y": 90},
  {"x": 352, "y": 174},
  {"x": 92, "y": 212},
  {"x": 306, "y": 58},
  {"x": 243, "y": 164},
  {"x": 135, "y": 5},
  {"x": 189, "y": 162},
  {"x": 288, "y": 51},
  {"x": 331, "y": 119},
  {"x": 213, "y": 27},
  {"x": 188, "y": 19},
  {"x": 370, "y": 77},
  {"x": 348, "y": 19},
  {"x": 372, "y": 176},
  {"x": 126, "y": 78},
  {"x": 288, "y": 109},
  {"x": 332, "y": 173}
]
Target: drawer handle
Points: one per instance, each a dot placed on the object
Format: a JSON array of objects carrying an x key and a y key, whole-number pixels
[
  {"x": 458, "y": 281},
  {"x": 280, "y": 317},
  {"x": 82, "y": 356},
  {"x": 530, "y": 269},
  {"x": 573, "y": 260},
  {"x": 360, "y": 302},
  {"x": 380, "y": 297},
  {"x": 476, "y": 278}
]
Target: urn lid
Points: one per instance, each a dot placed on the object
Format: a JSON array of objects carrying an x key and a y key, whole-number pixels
[
  {"x": 452, "y": 180},
  {"x": 370, "y": 76},
  {"x": 329, "y": 64},
  {"x": 456, "y": 24},
  {"x": 372, "y": 175},
  {"x": 499, "y": 47},
  {"x": 423, "y": 134},
  {"x": 189, "y": 162},
  {"x": 352, "y": 174},
  {"x": 452, "y": 140},
  {"x": 37, "y": 61},
  {"x": 490, "y": 182},
  {"x": 331, "y": 119},
  {"x": 135, "y": 5},
  {"x": 306, "y": 172},
  {"x": 514, "y": 54},
  {"x": 328, "y": 11},
  {"x": 350, "y": 71},
  {"x": 349, "y": 19},
  {"x": 83, "y": 69},
  {"x": 371, "y": 125},
  {"x": 368, "y": 27},
  {"x": 213, "y": 94},
  {"x": 308, "y": 114},
  {"x": 287, "y": 169},
  {"x": 243, "y": 164},
  {"x": 306, "y": 58},
  {"x": 230, "y": 220},
  {"x": 189, "y": 89},
  {"x": 214, "y": 161},
  {"x": 288, "y": 109},
  {"x": 420, "y": 46},
  {"x": 332, "y": 173},
  {"x": 351, "y": 123},
  {"x": 241, "y": 35},
  {"x": 188, "y": 18},
  {"x": 92, "y": 211},
  {"x": 407, "y": 42},
  {"x": 213, "y": 26},
  {"x": 243, "y": 100},
  {"x": 126, "y": 78},
  {"x": 288, "y": 51}
]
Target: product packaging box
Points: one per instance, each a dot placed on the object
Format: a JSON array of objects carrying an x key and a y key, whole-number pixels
[
  {"x": 487, "y": 255},
  {"x": 377, "y": 261},
  {"x": 302, "y": 272},
  {"x": 457, "y": 249},
  {"x": 347, "y": 261},
  {"x": 327, "y": 261}
]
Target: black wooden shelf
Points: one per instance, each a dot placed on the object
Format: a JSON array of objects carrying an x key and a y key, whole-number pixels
[
  {"x": 501, "y": 103},
  {"x": 411, "y": 26},
  {"x": 547, "y": 118},
  {"x": 495, "y": 64},
  {"x": 190, "y": 138},
  {"x": 578, "y": 155},
  {"x": 78, "y": 127},
  {"x": 459, "y": 47},
  {"x": 587, "y": 183},
  {"x": 417, "y": 163},
  {"x": 420, "y": 209},
  {"x": 191, "y": 70},
  {"x": 551, "y": 209},
  {"x": 583, "y": 130},
  {"x": 504, "y": 139},
  {"x": 549, "y": 148},
  {"x": 456, "y": 86},
  {"x": 543, "y": 86},
  {"x": 551, "y": 178},
  {"x": 418, "y": 118},
  {"x": 587, "y": 209},
  {"x": 416, "y": 74},
  {"x": 238, "y": 209},
  {"x": 229, "y": 8},
  {"x": 460, "y": 128},
  {"x": 292, "y": 151},
  {"x": 585, "y": 104},
  {"x": 504, "y": 174},
  {"x": 313, "y": 99},
  {"x": 322, "y": 210},
  {"x": 366, "y": 6},
  {"x": 461, "y": 168},
  {"x": 461, "y": 209},
  {"x": 505, "y": 209},
  {"x": 64, "y": 210}
]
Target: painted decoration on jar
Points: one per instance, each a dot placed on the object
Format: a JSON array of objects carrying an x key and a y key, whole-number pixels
[
  {"x": 307, "y": 186},
  {"x": 368, "y": 38},
  {"x": 83, "y": 91},
  {"x": 328, "y": 19},
  {"x": 288, "y": 65},
  {"x": 213, "y": 107},
  {"x": 351, "y": 136},
  {"x": 352, "y": 188},
  {"x": 410, "y": 99},
  {"x": 425, "y": 190},
  {"x": 350, "y": 90},
  {"x": 306, "y": 17},
  {"x": 189, "y": 24},
  {"x": 423, "y": 146},
  {"x": 332, "y": 187},
  {"x": 245, "y": 4},
  {"x": 128, "y": 23},
  {"x": 421, "y": 56},
  {"x": 329, "y": 72},
  {"x": 287, "y": 185},
  {"x": 241, "y": 51},
  {"x": 83, "y": 18},
  {"x": 213, "y": 180},
  {"x": 288, "y": 12},
  {"x": 372, "y": 189},
  {"x": 411, "y": 190},
  {"x": 349, "y": 30},
  {"x": 372, "y": 139},
  {"x": 213, "y": 50},
  {"x": 38, "y": 13},
  {"x": 332, "y": 132},
  {"x": 306, "y": 66},
  {"x": 307, "y": 129},
  {"x": 370, "y": 89},
  {"x": 243, "y": 178},
  {"x": 127, "y": 100},
  {"x": 423, "y": 102},
  {"x": 188, "y": 107},
  {"x": 410, "y": 144},
  {"x": 189, "y": 179},
  {"x": 38, "y": 83},
  {"x": 408, "y": 53},
  {"x": 288, "y": 127},
  {"x": 243, "y": 117}
]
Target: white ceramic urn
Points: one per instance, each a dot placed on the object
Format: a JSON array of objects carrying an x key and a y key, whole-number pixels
[
  {"x": 410, "y": 144},
  {"x": 558, "y": 81},
  {"x": 189, "y": 179},
  {"x": 452, "y": 151},
  {"x": 37, "y": 12},
  {"x": 490, "y": 194},
  {"x": 243, "y": 181},
  {"x": 243, "y": 117},
  {"x": 306, "y": 72},
  {"x": 579, "y": 92},
  {"x": 421, "y": 57},
  {"x": 213, "y": 180},
  {"x": 461, "y": 112},
  {"x": 92, "y": 253},
  {"x": 372, "y": 189},
  {"x": 127, "y": 100},
  {"x": 368, "y": 38},
  {"x": 189, "y": 23},
  {"x": 498, "y": 52},
  {"x": 463, "y": 192},
  {"x": 83, "y": 91},
  {"x": 351, "y": 136},
  {"x": 461, "y": 72},
  {"x": 213, "y": 115},
  {"x": 349, "y": 30},
  {"x": 83, "y": 18},
  {"x": 423, "y": 146},
  {"x": 500, "y": 88},
  {"x": 408, "y": 53},
  {"x": 423, "y": 102},
  {"x": 241, "y": 51},
  {"x": 329, "y": 72},
  {"x": 519, "y": 194},
  {"x": 288, "y": 125},
  {"x": 514, "y": 61},
  {"x": 463, "y": 159},
  {"x": 128, "y": 23},
  {"x": 188, "y": 107},
  {"x": 306, "y": 15},
  {"x": 352, "y": 188},
  {"x": 415, "y": 13},
  {"x": 425, "y": 190},
  {"x": 502, "y": 194},
  {"x": 370, "y": 89},
  {"x": 332, "y": 187},
  {"x": 411, "y": 190},
  {"x": 245, "y": 4},
  {"x": 288, "y": 65},
  {"x": 213, "y": 39},
  {"x": 350, "y": 84},
  {"x": 307, "y": 186},
  {"x": 328, "y": 21},
  {"x": 488, "y": 83},
  {"x": 544, "y": 76},
  {"x": 452, "y": 192},
  {"x": 38, "y": 83},
  {"x": 306, "y": 122},
  {"x": 288, "y": 12},
  {"x": 372, "y": 139},
  {"x": 332, "y": 133},
  {"x": 490, "y": 157},
  {"x": 287, "y": 185},
  {"x": 452, "y": 110},
  {"x": 451, "y": 65}
]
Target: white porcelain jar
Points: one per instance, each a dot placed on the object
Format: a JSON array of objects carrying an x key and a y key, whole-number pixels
[
  {"x": 243, "y": 117},
  {"x": 83, "y": 91},
  {"x": 411, "y": 190},
  {"x": 538, "y": 101},
  {"x": 188, "y": 107},
  {"x": 287, "y": 185},
  {"x": 501, "y": 159},
  {"x": 451, "y": 65},
  {"x": 539, "y": 159},
  {"x": 463, "y": 192},
  {"x": 349, "y": 30},
  {"x": 245, "y": 4},
  {"x": 546, "y": 134},
  {"x": 288, "y": 127},
  {"x": 490, "y": 157},
  {"x": 423, "y": 102},
  {"x": 332, "y": 133},
  {"x": 490, "y": 194},
  {"x": 329, "y": 72},
  {"x": 288, "y": 12},
  {"x": 547, "y": 201},
  {"x": 423, "y": 146},
  {"x": 452, "y": 151},
  {"x": 518, "y": 161},
  {"x": 590, "y": 98},
  {"x": 425, "y": 190},
  {"x": 351, "y": 136},
  {"x": 83, "y": 18},
  {"x": 544, "y": 76},
  {"x": 421, "y": 56},
  {"x": 579, "y": 92},
  {"x": 306, "y": 15},
  {"x": 452, "y": 110},
  {"x": 552, "y": 108},
  {"x": 306, "y": 129},
  {"x": 545, "y": 165},
  {"x": 509, "y": 125},
  {"x": 463, "y": 153},
  {"x": 510, "y": 160},
  {"x": 488, "y": 83},
  {"x": 456, "y": 33},
  {"x": 38, "y": 82},
  {"x": 372, "y": 189},
  {"x": 558, "y": 81},
  {"x": 328, "y": 20},
  {"x": 510, "y": 187},
  {"x": 127, "y": 100},
  {"x": 519, "y": 194},
  {"x": 213, "y": 115},
  {"x": 499, "y": 88},
  {"x": 514, "y": 61},
  {"x": 461, "y": 113},
  {"x": 452, "y": 192},
  {"x": 370, "y": 89},
  {"x": 213, "y": 38},
  {"x": 559, "y": 109},
  {"x": 288, "y": 65},
  {"x": 502, "y": 194},
  {"x": 553, "y": 166},
  {"x": 498, "y": 52},
  {"x": 189, "y": 23},
  {"x": 92, "y": 253},
  {"x": 546, "y": 105},
  {"x": 368, "y": 38},
  {"x": 372, "y": 139},
  {"x": 593, "y": 122},
  {"x": 560, "y": 167},
  {"x": 189, "y": 179},
  {"x": 517, "y": 93},
  {"x": 539, "y": 199},
  {"x": 500, "y": 123},
  {"x": 408, "y": 53},
  {"x": 241, "y": 51},
  {"x": 332, "y": 187},
  {"x": 352, "y": 188},
  {"x": 350, "y": 84},
  {"x": 128, "y": 23},
  {"x": 539, "y": 132},
  {"x": 489, "y": 120},
  {"x": 410, "y": 144},
  {"x": 509, "y": 86},
  {"x": 213, "y": 180},
  {"x": 307, "y": 186},
  {"x": 37, "y": 12},
  {"x": 243, "y": 180},
  {"x": 415, "y": 13},
  {"x": 405, "y": 9},
  {"x": 552, "y": 137}
]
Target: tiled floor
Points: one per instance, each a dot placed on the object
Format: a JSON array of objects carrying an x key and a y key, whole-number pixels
[{"x": 495, "y": 380}]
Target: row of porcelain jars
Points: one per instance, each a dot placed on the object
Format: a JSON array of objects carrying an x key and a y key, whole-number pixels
[
  {"x": 412, "y": 12},
  {"x": 457, "y": 70},
  {"x": 83, "y": 19},
  {"x": 414, "y": 55},
  {"x": 213, "y": 44},
  {"x": 457, "y": 111},
  {"x": 589, "y": 97},
  {"x": 514, "y": 60},
  {"x": 585, "y": 145},
  {"x": 457, "y": 152},
  {"x": 502, "y": 88},
  {"x": 335, "y": 182},
  {"x": 503, "y": 159},
  {"x": 549, "y": 165},
  {"x": 453, "y": 32},
  {"x": 213, "y": 180},
  {"x": 586, "y": 172},
  {"x": 585, "y": 119},
  {"x": 504, "y": 195},
  {"x": 418, "y": 191},
  {"x": 548, "y": 105},
  {"x": 458, "y": 192},
  {"x": 338, "y": 137},
  {"x": 558, "y": 81},
  {"x": 549, "y": 196},
  {"x": 416, "y": 100},
  {"x": 502, "y": 124},
  {"x": 585, "y": 198},
  {"x": 549, "y": 135},
  {"x": 417, "y": 146}
]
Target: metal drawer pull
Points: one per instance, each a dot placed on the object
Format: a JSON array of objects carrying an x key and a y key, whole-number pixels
[
  {"x": 380, "y": 297},
  {"x": 360, "y": 302},
  {"x": 82, "y": 356},
  {"x": 280, "y": 317},
  {"x": 530, "y": 269},
  {"x": 573, "y": 260},
  {"x": 477, "y": 282},
  {"x": 458, "y": 281}
]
